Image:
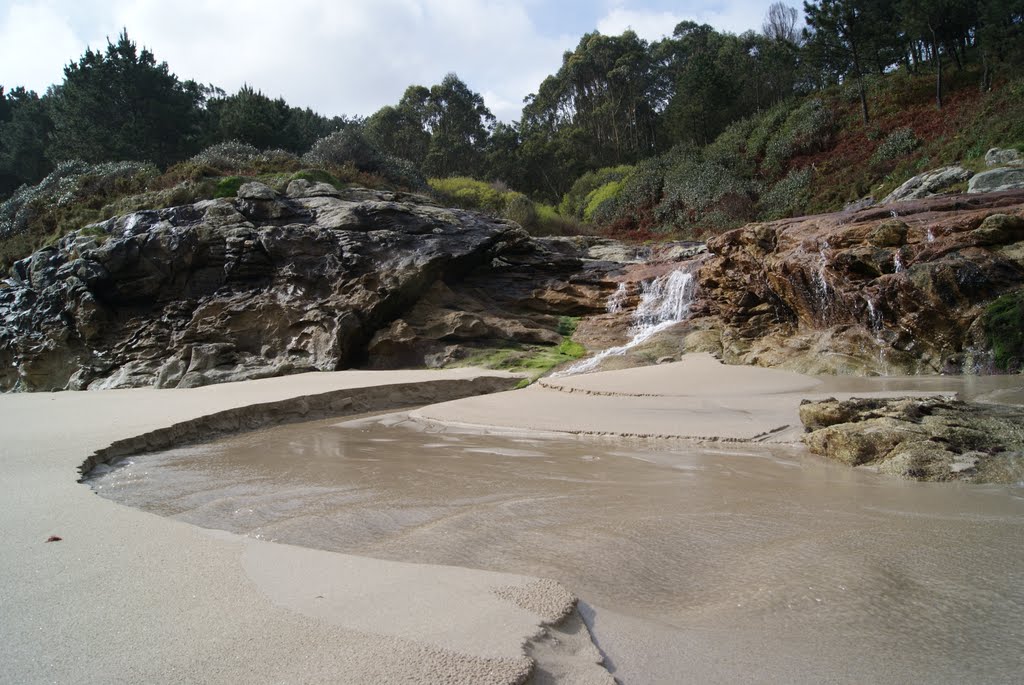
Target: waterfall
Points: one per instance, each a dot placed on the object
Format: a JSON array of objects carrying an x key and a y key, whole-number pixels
[{"x": 664, "y": 302}]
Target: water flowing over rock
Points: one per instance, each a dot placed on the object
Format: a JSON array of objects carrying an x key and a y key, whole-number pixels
[
  {"x": 664, "y": 302},
  {"x": 864, "y": 292},
  {"x": 264, "y": 285}
]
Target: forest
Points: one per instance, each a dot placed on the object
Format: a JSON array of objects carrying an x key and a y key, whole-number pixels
[{"x": 700, "y": 131}]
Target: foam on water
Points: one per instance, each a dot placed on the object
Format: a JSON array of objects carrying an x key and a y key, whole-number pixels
[{"x": 664, "y": 302}]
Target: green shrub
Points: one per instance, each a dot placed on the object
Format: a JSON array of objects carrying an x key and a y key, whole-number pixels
[
  {"x": 469, "y": 193},
  {"x": 520, "y": 209},
  {"x": 788, "y": 197},
  {"x": 807, "y": 129},
  {"x": 1003, "y": 323},
  {"x": 899, "y": 143},
  {"x": 601, "y": 201},
  {"x": 228, "y": 186},
  {"x": 575, "y": 202}
]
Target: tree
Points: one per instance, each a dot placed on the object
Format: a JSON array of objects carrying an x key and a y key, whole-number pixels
[
  {"x": 25, "y": 127},
  {"x": 458, "y": 122},
  {"x": 851, "y": 34},
  {"x": 120, "y": 104},
  {"x": 401, "y": 130},
  {"x": 780, "y": 24}
]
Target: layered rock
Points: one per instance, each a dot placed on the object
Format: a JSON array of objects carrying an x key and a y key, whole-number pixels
[
  {"x": 863, "y": 292},
  {"x": 263, "y": 285},
  {"x": 927, "y": 184},
  {"x": 934, "y": 439}
]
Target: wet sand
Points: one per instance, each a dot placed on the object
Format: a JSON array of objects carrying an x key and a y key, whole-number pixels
[
  {"x": 126, "y": 596},
  {"x": 722, "y": 563}
]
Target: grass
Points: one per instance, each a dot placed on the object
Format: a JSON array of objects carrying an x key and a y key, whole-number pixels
[{"x": 533, "y": 360}]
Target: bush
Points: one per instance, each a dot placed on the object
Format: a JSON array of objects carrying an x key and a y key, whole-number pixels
[
  {"x": 520, "y": 209},
  {"x": 229, "y": 156},
  {"x": 70, "y": 197},
  {"x": 807, "y": 129},
  {"x": 899, "y": 143},
  {"x": 575, "y": 202},
  {"x": 788, "y": 197},
  {"x": 601, "y": 202},
  {"x": 350, "y": 148},
  {"x": 1003, "y": 323}
]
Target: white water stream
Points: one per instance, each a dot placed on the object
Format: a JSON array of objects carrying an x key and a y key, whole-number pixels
[{"x": 664, "y": 302}]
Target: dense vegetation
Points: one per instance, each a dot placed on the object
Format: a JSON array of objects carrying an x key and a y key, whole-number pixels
[{"x": 695, "y": 133}]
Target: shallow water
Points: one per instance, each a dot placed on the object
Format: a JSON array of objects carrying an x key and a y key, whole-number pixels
[{"x": 870, "y": 578}]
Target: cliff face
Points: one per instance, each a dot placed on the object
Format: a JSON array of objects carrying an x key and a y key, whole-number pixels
[
  {"x": 261, "y": 285},
  {"x": 892, "y": 289}
]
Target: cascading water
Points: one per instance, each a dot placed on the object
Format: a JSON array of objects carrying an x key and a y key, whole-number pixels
[
  {"x": 664, "y": 302},
  {"x": 876, "y": 322}
]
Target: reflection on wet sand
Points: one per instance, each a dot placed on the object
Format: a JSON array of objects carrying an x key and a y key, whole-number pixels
[{"x": 785, "y": 560}]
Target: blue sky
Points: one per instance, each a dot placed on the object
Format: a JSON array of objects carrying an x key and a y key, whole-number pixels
[{"x": 343, "y": 56}]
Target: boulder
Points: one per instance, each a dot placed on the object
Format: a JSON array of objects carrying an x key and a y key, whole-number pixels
[
  {"x": 1000, "y": 157},
  {"x": 997, "y": 180},
  {"x": 933, "y": 439},
  {"x": 928, "y": 183}
]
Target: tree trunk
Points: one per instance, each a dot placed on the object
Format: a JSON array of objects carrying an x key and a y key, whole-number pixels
[
  {"x": 938, "y": 71},
  {"x": 860, "y": 84}
]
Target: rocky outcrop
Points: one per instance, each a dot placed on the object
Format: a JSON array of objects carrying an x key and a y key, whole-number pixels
[
  {"x": 263, "y": 285},
  {"x": 928, "y": 183},
  {"x": 933, "y": 439},
  {"x": 997, "y": 180},
  {"x": 1003, "y": 157},
  {"x": 863, "y": 292}
]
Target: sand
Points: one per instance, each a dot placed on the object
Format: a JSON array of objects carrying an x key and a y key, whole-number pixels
[
  {"x": 130, "y": 597},
  {"x": 127, "y": 596},
  {"x": 697, "y": 398}
]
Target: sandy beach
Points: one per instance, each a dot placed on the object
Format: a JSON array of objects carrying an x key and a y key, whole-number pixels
[{"x": 128, "y": 596}]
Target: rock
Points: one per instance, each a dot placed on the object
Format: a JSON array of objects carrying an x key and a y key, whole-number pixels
[
  {"x": 997, "y": 180},
  {"x": 862, "y": 293},
  {"x": 256, "y": 191},
  {"x": 262, "y": 285},
  {"x": 301, "y": 188},
  {"x": 892, "y": 233},
  {"x": 928, "y": 183},
  {"x": 934, "y": 439},
  {"x": 1003, "y": 157},
  {"x": 857, "y": 205}
]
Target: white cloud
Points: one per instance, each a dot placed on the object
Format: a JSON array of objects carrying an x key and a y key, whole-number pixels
[
  {"x": 25, "y": 28},
  {"x": 347, "y": 57},
  {"x": 341, "y": 56},
  {"x": 736, "y": 16},
  {"x": 647, "y": 24}
]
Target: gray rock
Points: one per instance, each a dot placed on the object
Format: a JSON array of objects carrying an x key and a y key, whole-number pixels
[
  {"x": 996, "y": 180},
  {"x": 256, "y": 191},
  {"x": 301, "y": 188},
  {"x": 998, "y": 157},
  {"x": 928, "y": 183},
  {"x": 263, "y": 285}
]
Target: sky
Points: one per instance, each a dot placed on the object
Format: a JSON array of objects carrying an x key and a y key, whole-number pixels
[{"x": 344, "y": 56}]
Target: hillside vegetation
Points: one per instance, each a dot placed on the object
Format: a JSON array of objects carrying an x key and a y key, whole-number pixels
[{"x": 682, "y": 137}]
